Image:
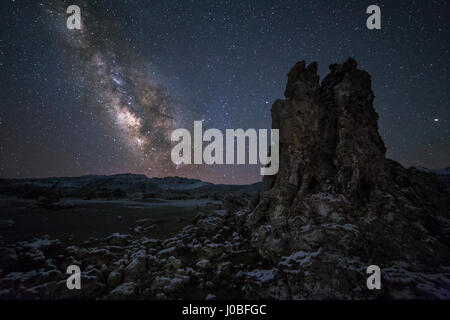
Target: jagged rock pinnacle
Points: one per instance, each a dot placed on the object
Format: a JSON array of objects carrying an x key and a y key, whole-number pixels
[
  {"x": 329, "y": 133},
  {"x": 336, "y": 200}
]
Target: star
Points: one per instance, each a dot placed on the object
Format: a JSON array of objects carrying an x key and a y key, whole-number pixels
[{"x": 138, "y": 72}]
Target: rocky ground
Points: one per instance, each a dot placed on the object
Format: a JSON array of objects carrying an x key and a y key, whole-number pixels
[
  {"x": 336, "y": 206},
  {"x": 211, "y": 258}
]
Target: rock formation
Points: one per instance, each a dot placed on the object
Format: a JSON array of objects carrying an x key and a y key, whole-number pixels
[{"x": 337, "y": 205}]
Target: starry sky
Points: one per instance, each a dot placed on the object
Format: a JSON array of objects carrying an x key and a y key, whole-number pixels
[{"x": 104, "y": 99}]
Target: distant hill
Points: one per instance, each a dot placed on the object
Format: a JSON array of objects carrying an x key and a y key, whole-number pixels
[
  {"x": 116, "y": 186},
  {"x": 439, "y": 172},
  {"x": 443, "y": 174}
]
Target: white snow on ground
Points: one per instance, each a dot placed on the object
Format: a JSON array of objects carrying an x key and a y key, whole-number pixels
[
  {"x": 118, "y": 235},
  {"x": 305, "y": 228},
  {"x": 261, "y": 276},
  {"x": 210, "y": 296},
  {"x": 335, "y": 226},
  {"x": 40, "y": 243},
  {"x": 202, "y": 263},
  {"x": 125, "y": 289},
  {"x": 430, "y": 283},
  {"x": 20, "y": 276},
  {"x": 301, "y": 258},
  {"x": 170, "y": 284},
  {"x": 327, "y": 197},
  {"x": 220, "y": 213},
  {"x": 166, "y": 251}
]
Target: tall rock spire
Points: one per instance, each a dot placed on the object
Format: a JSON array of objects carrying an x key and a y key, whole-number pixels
[{"x": 336, "y": 200}]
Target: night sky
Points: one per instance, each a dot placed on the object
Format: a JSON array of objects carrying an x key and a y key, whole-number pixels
[{"x": 104, "y": 99}]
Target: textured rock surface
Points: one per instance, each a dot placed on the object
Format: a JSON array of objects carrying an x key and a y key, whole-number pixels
[{"x": 337, "y": 205}]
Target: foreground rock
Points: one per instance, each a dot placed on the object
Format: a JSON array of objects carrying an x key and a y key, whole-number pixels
[
  {"x": 208, "y": 257},
  {"x": 337, "y": 205}
]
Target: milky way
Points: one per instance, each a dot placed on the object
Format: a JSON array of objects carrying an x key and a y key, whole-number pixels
[
  {"x": 104, "y": 99},
  {"x": 122, "y": 89}
]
